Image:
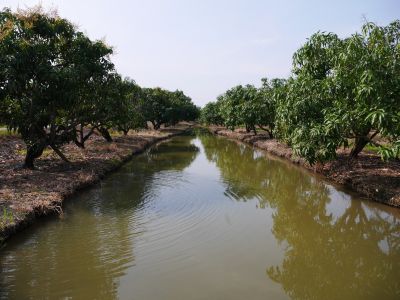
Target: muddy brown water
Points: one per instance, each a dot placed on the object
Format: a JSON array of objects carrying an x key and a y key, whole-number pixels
[{"x": 202, "y": 217}]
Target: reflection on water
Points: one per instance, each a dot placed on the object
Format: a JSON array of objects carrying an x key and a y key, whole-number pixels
[
  {"x": 201, "y": 217},
  {"x": 354, "y": 256},
  {"x": 351, "y": 255}
]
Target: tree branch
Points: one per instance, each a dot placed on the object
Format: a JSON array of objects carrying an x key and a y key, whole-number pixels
[{"x": 59, "y": 153}]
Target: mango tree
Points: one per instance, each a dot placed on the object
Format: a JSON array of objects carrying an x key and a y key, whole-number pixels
[
  {"x": 343, "y": 91},
  {"x": 129, "y": 116},
  {"x": 241, "y": 106},
  {"x": 92, "y": 60},
  {"x": 367, "y": 93},
  {"x": 180, "y": 108},
  {"x": 270, "y": 91},
  {"x": 210, "y": 114},
  {"x": 153, "y": 106},
  {"x": 37, "y": 79},
  {"x": 111, "y": 105}
]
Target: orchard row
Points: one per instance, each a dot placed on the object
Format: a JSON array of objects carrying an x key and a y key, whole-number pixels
[
  {"x": 341, "y": 93},
  {"x": 58, "y": 86}
]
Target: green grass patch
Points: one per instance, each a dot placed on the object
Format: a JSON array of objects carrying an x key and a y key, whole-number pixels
[
  {"x": 46, "y": 152},
  {"x": 115, "y": 162},
  {"x": 371, "y": 148},
  {"x": 6, "y": 218},
  {"x": 115, "y": 133},
  {"x": 5, "y": 132}
]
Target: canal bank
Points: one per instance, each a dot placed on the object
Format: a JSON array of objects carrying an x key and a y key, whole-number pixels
[
  {"x": 368, "y": 174},
  {"x": 26, "y": 195}
]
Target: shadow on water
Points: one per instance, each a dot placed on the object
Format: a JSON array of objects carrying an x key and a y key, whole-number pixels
[{"x": 348, "y": 253}]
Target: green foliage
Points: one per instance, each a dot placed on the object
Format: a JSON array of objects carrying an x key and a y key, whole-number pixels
[
  {"x": 37, "y": 78},
  {"x": 58, "y": 86},
  {"x": 240, "y": 106},
  {"x": 246, "y": 106},
  {"x": 271, "y": 91},
  {"x": 160, "y": 106},
  {"x": 154, "y": 104},
  {"x": 367, "y": 102},
  {"x": 6, "y": 218},
  {"x": 300, "y": 109},
  {"x": 211, "y": 115},
  {"x": 180, "y": 108},
  {"x": 97, "y": 88},
  {"x": 129, "y": 116},
  {"x": 341, "y": 90},
  {"x": 49, "y": 70}
]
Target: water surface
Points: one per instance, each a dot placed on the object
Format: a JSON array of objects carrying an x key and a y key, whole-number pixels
[{"x": 201, "y": 217}]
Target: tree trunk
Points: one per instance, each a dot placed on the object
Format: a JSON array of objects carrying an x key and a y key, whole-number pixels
[
  {"x": 360, "y": 143},
  {"x": 267, "y": 130},
  {"x": 156, "y": 125},
  {"x": 78, "y": 139},
  {"x": 106, "y": 135},
  {"x": 80, "y": 142},
  {"x": 254, "y": 130},
  {"x": 82, "y": 139},
  {"x": 33, "y": 152}
]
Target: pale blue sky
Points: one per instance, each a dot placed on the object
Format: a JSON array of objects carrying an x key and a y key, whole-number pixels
[{"x": 205, "y": 47}]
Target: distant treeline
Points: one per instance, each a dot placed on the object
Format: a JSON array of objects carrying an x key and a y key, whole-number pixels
[
  {"x": 58, "y": 86},
  {"x": 342, "y": 92}
]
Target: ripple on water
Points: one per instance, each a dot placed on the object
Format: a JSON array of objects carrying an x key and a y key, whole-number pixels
[{"x": 176, "y": 215}]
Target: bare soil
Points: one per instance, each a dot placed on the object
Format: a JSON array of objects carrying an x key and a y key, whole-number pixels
[
  {"x": 367, "y": 174},
  {"x": 27, "y": 194}
]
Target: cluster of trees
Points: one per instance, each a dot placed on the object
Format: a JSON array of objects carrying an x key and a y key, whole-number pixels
[
  {"x": 59, "y": 86},
  {"x": 342, "y": 92},
  {"x": 164, "y": 107}
]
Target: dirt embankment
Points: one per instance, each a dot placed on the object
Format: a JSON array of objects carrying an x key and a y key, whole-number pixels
[
  {"x": 28, "y": 194},
  {"x": 367, "y": 175}
]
